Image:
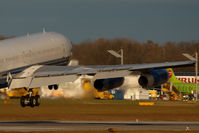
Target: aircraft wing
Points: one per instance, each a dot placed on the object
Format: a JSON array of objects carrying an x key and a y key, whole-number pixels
[{"x": 39, "y": 75}]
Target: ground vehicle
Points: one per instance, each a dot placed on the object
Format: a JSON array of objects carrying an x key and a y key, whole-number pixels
[
  {"x": 24, "y": 95},
  {"x": 91, "y": 92},
  {"x": 104, "y": 95},
  {"x": 171, "y": 91}
]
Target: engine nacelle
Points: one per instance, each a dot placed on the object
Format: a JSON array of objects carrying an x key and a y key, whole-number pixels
[
  {"x": 3, "y": 83},
  {"x": 153, "y": 78},
  {"x": 107, "y": 84}
]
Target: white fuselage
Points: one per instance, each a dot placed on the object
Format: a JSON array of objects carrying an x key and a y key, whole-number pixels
[{"x": 40, "y": 48}]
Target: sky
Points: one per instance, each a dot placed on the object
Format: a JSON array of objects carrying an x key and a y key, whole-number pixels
[{"x": 80, "y": 20}]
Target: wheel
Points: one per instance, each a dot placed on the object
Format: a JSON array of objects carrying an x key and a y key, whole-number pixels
[
  {"x": 50, "y": 87},
  {"x": 22, "y": 101},
  {"x": 37, "y": 98},
  {"x": 32, "y": 101},
  {"x": 56, "y": 87}
]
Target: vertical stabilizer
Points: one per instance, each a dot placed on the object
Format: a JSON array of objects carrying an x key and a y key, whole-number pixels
[{"x": 172, "y": 77}]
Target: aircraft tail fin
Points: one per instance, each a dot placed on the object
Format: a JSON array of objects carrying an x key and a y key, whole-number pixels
[
  {"x": 172, "y": 77},
  {"x": 171, "y": 73}
]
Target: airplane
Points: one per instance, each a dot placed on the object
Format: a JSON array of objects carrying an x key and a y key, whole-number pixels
[
  {"x": 40, "y": 59},
  {"x": 178, "y": 84}
]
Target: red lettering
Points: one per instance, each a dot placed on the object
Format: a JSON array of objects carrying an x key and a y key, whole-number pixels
[
  {"x": 183, "y": 79},
  {"x": 188, "y": 80},
  {"x": 193, "y": 80}
]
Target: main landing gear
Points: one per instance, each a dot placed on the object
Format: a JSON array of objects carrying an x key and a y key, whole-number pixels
[
  {"x": 55, "y": 87},
  {"x": 31, "y": 99},
  {"x": 31, "y": 96}
]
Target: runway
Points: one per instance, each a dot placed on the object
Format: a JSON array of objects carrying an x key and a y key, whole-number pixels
[{"x": 94, "y": 125}]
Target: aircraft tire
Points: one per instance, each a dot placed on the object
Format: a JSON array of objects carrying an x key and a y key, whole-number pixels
[
  {"x": 32, "y": 101},
  {"x": 22, "y": 101},
  {"x": 37, "y": 98},
  {"x": 56, "y": 87},
  {"x": 50, "y": 87}
]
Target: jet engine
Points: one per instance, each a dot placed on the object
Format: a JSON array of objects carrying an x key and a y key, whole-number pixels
[
  {"x": 3, "y": 83},
  {"x": 153, "y": 78},
  {"x": 107, "y": 84}
]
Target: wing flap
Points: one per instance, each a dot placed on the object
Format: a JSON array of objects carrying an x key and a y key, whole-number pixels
[
  {"x": 44, "y": 81},
  {"x": 20, "y": 82},
  {"x": 33, "y": 82}
]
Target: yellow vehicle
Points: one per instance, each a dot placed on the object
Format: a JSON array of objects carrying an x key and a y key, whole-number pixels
[
  {"x": 91, "y": 92},
  {"x": 18, "y": 93},
  {"x": 153, "y": 94},
  {"x": 104, "y": 95},
  {"x": 88, "y": 88},
  {"x": 28, "y": 97},
  {"x": 174, "y": 94}
]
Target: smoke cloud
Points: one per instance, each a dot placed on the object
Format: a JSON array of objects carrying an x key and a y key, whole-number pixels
[
  {"x": 76, "y": 90},
  {"x": 66, "y": 90}
]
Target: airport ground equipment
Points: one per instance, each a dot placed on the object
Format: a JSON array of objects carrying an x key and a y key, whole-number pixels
[
  {"x": 172, "y": 92},
  {"x": 104, "y": 95},
  {"x": 91, "y": 92},
  {"x": 28, "y": 97},
  {"x": 146, "y": 103},
  {"x": 88, "y": 88},
  {"x": 152, "y": 94},
  {"x": 118, "y": 93}
]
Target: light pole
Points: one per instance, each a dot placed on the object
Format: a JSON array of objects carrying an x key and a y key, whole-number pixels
[
  {"x": 196, "y": 70},
  {"x": 117, "y": 55}
]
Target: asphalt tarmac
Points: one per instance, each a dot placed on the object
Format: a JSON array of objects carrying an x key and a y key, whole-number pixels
[{"x": 94, "y": 125}]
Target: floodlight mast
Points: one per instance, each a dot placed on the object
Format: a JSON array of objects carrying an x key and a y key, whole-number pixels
[
  {"x": 117, "y": 55},
  {"x": 196, "y": 76},
  {"x": 196, "y": 70},
  {"x": 122, "y": 57}
]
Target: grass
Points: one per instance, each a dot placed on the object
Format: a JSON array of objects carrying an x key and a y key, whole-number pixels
[
  {"x": 100, "y": 110},
  {"x": 109, "y": 132}
]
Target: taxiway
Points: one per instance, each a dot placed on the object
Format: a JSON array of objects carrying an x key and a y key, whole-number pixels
[{"x": 94, "y": 125}]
